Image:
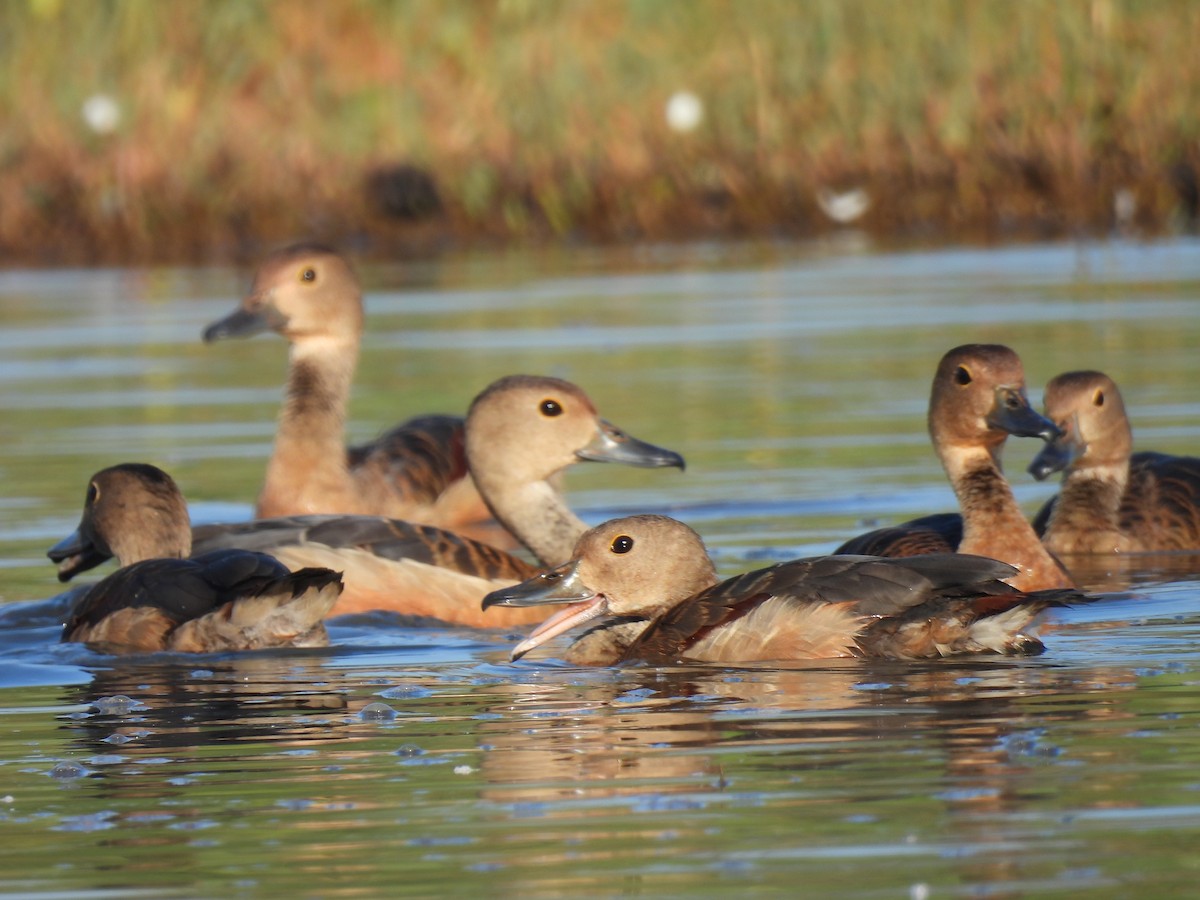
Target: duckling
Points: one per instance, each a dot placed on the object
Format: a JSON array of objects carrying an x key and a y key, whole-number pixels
[
  {"x": 521, "y": 432},
  {"x": 309, "y": 295},
  {"x": 1112, "y": 499},
  {"x": 647, "y": 590},
  {"x": 978, "y": 399},
  {"x": 161, "y": 600}
]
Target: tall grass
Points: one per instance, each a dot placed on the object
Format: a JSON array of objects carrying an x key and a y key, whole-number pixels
[{"x": 245, "y": 123}]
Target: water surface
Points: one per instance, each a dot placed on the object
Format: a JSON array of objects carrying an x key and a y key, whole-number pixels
[{"x": 794, "y": 379}]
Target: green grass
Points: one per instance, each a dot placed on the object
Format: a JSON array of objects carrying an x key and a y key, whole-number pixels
[{"x": 251, "y": 123}]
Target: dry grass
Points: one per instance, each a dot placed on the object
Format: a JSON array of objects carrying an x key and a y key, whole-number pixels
[{"x": 244, "y": 124}]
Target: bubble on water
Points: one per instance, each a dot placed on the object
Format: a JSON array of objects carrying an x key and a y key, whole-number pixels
[
  {"x": 377, "y": 712},
  {"x": 117, "y": 705},
  {"x": 463, "y": 770},
  {"x": 69, "y": 771},
  {"x": 118, "y": 739},
  {"x": 409, "y": 750}
]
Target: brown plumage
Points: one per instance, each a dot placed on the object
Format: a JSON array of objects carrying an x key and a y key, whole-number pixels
[
  {"x": 1112, "y": 500},
  {"x": 158, "y": 600},
  {"x": 523, "y": 431},
  {"x": 978, "y": 399},
  {"x": 418, "y": 471},
  {"x": 648, "y": 591}
]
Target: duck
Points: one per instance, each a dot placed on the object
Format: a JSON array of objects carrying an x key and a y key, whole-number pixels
[
  {"x": 521, "y": 432},
  {"x": 646, "y": 589},
  {"x": 978, "y": 399},
  {"x": 308, "y": 294},
  {"x": 1112, "y": 500},
  {"x": 162, "y": 598}
]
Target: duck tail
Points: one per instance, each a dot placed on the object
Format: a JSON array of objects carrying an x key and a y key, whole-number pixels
[{"x": 286, "y": 612}]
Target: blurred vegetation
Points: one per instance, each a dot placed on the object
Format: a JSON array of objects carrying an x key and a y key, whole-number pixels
[{"x": 401, "y": 124}]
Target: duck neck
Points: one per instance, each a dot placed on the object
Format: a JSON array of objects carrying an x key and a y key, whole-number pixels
[
  {"x": 987, "y": 502},
  {"x": 310, "y": 451},
  {"x": 606, "y": 643},
  {"x": 536, "y": 514},
  {"x": 162, "y": 537},
  {"x": 1089, "y": 501}
]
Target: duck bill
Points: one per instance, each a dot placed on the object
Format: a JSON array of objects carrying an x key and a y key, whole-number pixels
[
  {"x": 558, "y": 585},
  {"x": 1057, "y": 455},
  {"x": 75, "y": 554},
  {"x": 1013, "y": 414},
  {"x": 611, "y": 444},
  {"x": 245, "y": 322}
]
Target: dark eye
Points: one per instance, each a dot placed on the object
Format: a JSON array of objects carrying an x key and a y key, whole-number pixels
[
  {"x": 622, "y": 543},
  {"x": 93, "y": 493},
  {"x": 962, "y": 376},
  {"x": 551, "y": 408},
  {"x": 308, "y": 275},
  {"x": 1099, "y": 399}
]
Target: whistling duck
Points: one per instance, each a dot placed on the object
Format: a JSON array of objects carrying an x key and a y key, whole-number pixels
[
  {"x": 521, "y": 432},
  {"x": 647, "y": 589},
  {"x": 160, "y": 600},
  {"x": 309, "y": 294},
  {"x": 978, "y": 399},
  {"x": 1112, "y": 500}
]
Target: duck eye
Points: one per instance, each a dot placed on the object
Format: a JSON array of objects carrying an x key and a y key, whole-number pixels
[
  {"x": 93, "y": 493},
  {"x": 308, "y": 274},
  {"x": 551, "y": 408},
  {"x": 622, "y": 543},
  {"x": 962, "y": 376},
  {"x": 1098, "y": 400}
]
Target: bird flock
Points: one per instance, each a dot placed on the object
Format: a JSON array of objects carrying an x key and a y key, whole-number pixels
[{"x": 462, "y": 520}]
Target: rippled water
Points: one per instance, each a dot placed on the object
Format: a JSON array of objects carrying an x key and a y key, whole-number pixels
[{"x": 794, "y": 379}]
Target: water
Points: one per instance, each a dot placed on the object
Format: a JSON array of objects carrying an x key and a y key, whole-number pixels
[{"x": 794, "y": 379}]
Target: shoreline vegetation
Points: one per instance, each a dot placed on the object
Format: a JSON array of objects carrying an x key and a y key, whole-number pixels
[{"x": 143, "y": 131}]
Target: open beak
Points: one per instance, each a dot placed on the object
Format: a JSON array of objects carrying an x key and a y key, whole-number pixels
[
  {"x": 555, "y": 586},
  {"x": 75, "y": 554},
  {"x": 1013, "y": 413},
  {"x": 611, "y": 444},
  {"x": 1058, "y": 454}
]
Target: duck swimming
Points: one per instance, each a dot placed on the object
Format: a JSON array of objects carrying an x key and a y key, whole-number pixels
[
  {"x": 522, "y": 431},
  {"x": 978, "y": 399},
  {"x": 1112, "y": 500},
  {"x": 645, "y": 588},
  {"x": 161, "y": 600}
]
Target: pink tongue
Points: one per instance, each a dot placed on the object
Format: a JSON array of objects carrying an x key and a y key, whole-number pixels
[
  {"x": 69, "y": 564},
  {"x": 563, "y": 620},
  {"x": 567, "y": 612}
]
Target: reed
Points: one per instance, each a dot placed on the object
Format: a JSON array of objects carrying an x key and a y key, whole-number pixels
[{"x": 391, "y": 125}]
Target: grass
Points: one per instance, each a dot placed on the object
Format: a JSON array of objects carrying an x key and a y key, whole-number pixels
[{"x": 244, "y": 124}]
